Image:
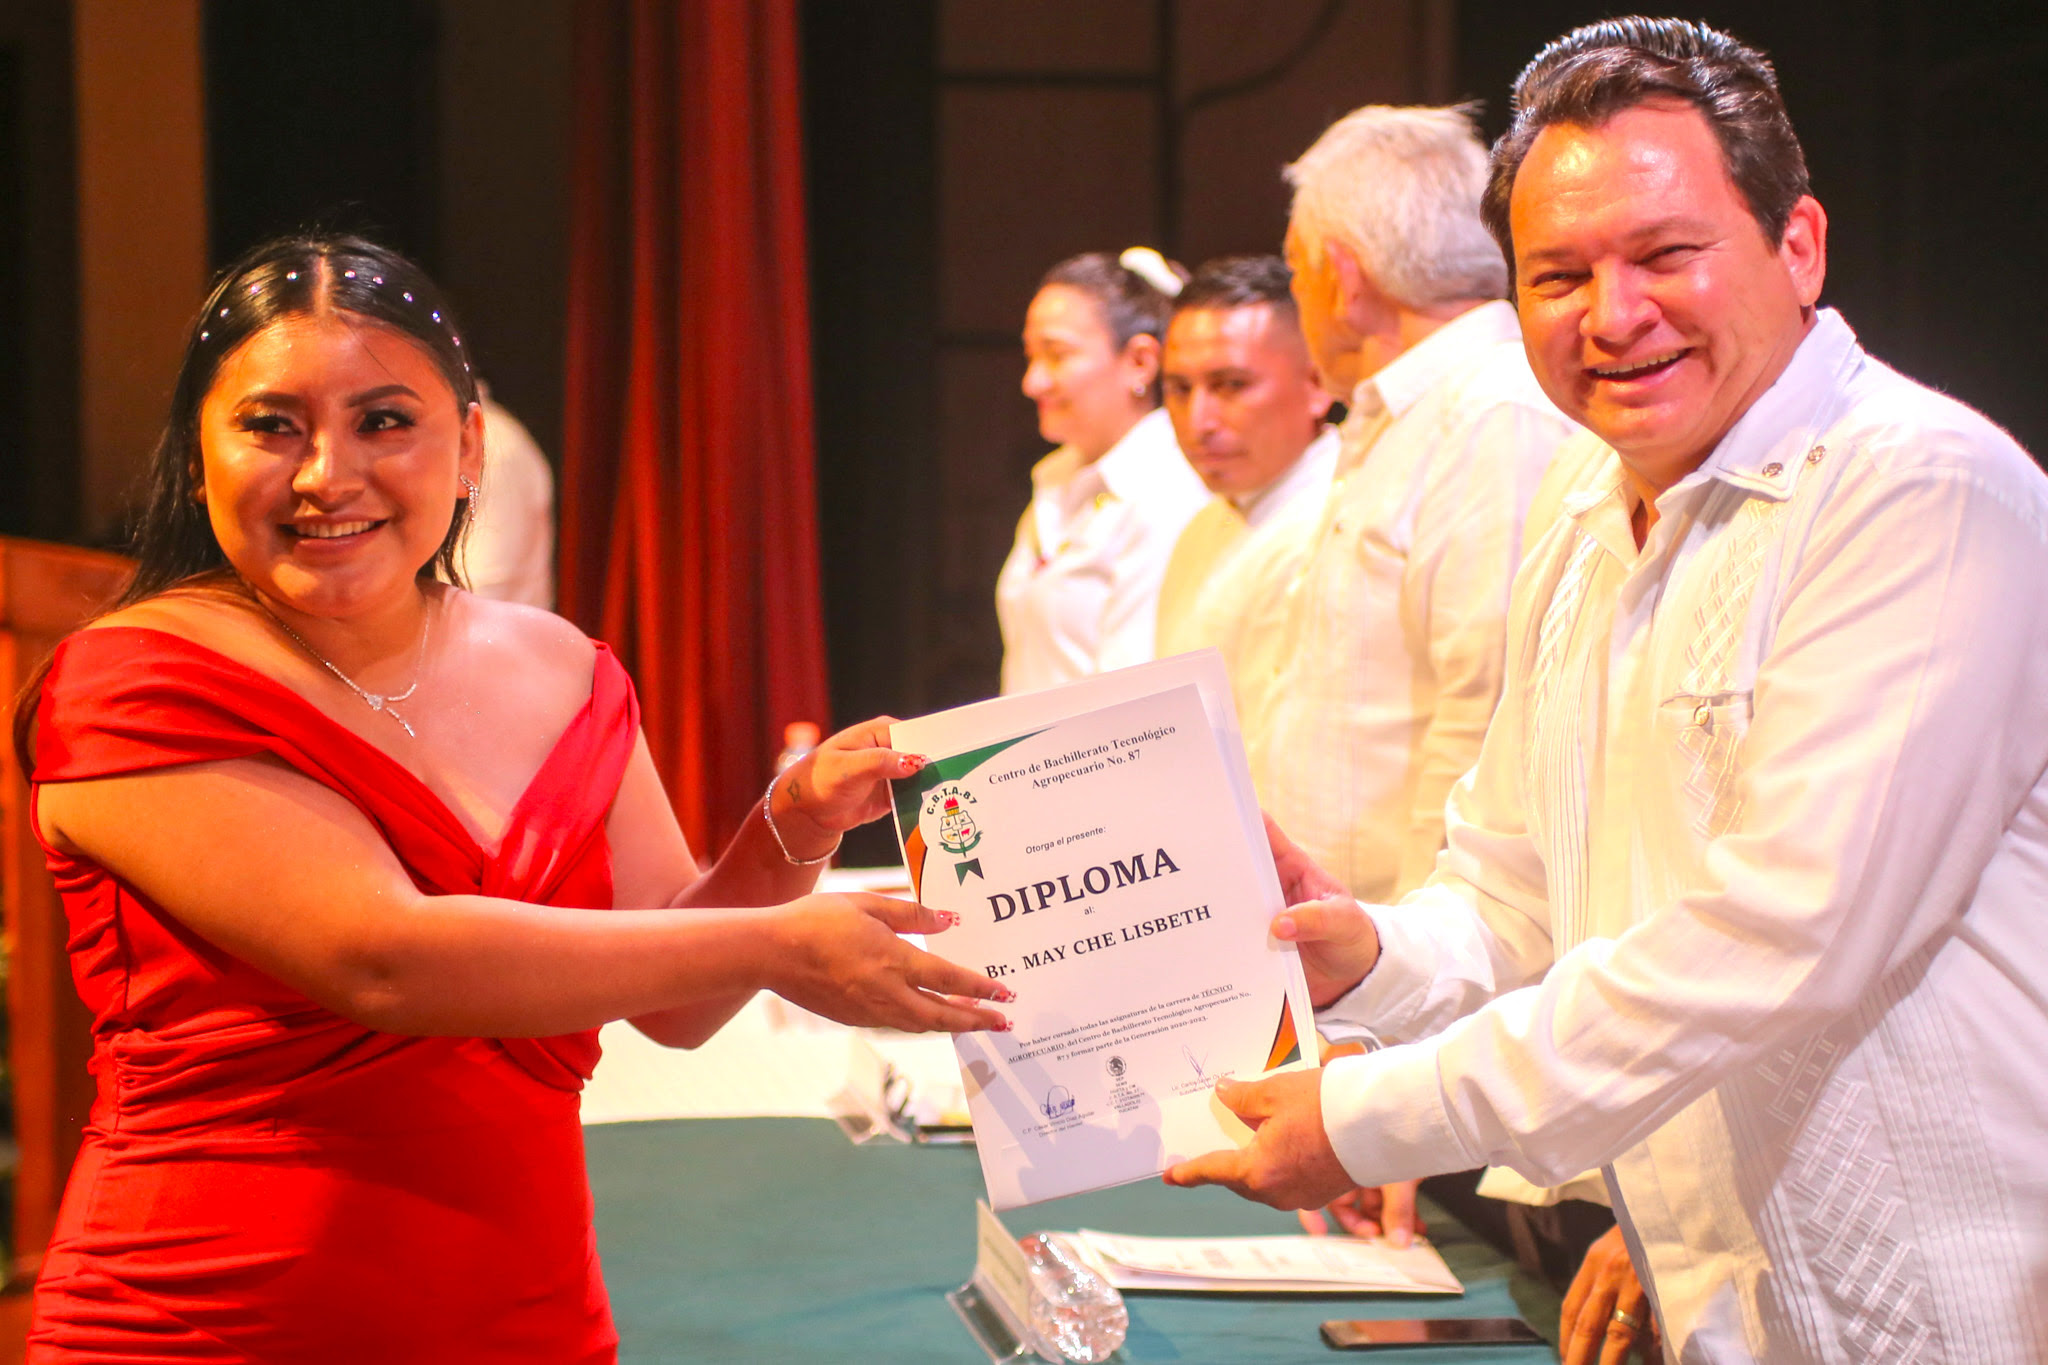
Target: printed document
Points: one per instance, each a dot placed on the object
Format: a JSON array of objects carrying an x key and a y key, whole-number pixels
[
  {"x": 1269, "y": 1265},
  {"x": 1104, "y": 851}
]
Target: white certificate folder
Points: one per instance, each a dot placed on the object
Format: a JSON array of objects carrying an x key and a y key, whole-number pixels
[{"x": 1104, "y": 850}]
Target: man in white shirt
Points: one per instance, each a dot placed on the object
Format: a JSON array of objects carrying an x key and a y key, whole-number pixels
[
  {"x": 1743, "y": 897},
  {"x": 1387, "y": 653},
  {"x": 1248, "y": 415},
  {"x": 1389, "y": 650}
]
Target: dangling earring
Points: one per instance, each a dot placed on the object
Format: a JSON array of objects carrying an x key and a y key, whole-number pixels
[{"x": 472, "y": 490}]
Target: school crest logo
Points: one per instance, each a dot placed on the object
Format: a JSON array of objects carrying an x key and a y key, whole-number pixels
[{"x": 958, "y": 831}]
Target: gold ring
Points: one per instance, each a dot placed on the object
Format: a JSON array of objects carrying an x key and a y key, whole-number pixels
[{"x": 1628, "y": 1320}]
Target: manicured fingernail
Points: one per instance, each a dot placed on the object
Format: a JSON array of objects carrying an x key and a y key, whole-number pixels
[
  {"x": 1005, "y": 995},
  {"x": 1004, "y": 1027},
  {"x": 910, "y": 763},
  {"x": 948, "y": 918}
]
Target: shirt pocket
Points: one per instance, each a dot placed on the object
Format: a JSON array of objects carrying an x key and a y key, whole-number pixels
[{"x": 1703, "y": 733}]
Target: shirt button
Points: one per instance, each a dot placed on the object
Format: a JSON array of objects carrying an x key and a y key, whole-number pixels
[
  {"x": 1814, "y": 456},
  {"x": 1773, "y": 470}
]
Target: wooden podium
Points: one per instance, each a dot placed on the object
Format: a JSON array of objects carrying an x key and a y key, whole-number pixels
[{"x": 46, "y": 591}]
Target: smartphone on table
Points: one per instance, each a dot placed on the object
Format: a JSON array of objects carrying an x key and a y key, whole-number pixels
[{"x": 1369, "y": 1334}]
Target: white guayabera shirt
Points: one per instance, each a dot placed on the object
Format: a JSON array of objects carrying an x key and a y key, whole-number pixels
[
  {"x": 1232, "y": 568},
  {"x": 1387, "y": 652},
  {"x": 1747, "y": 893},
  {"x": 1079, "y": 593}
]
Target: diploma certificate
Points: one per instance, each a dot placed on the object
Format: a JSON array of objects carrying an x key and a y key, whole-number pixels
[{"x": 1105, "y": 853}]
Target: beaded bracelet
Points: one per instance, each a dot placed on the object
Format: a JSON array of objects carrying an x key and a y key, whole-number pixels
[{"x": 768, "y": 814}]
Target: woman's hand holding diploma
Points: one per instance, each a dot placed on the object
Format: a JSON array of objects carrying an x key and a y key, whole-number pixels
[
  {"x": 841, "y": 784},
  {"x": 840, "y": 957}
]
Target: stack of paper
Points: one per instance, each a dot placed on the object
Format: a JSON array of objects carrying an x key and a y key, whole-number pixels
[{"x": 1268, "y": 1265}]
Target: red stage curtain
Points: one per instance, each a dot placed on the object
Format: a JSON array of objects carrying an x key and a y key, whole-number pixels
[{"x": 689, "y": 535}]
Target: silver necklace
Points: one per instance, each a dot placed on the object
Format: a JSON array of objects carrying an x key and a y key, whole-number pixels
[{"x": 376, "y": 701}]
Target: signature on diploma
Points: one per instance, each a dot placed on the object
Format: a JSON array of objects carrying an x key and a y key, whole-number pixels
[
  {"x": 1058, "y": 1100},
  {"x": 1194, "y": 1061}
]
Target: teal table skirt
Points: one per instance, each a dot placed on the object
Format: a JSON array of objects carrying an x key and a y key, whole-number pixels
[{"x": 731, "y": 1240}]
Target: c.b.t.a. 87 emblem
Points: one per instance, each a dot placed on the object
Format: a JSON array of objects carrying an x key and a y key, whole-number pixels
[
  {"x": 957, "y": 830},
  {"x": 958, "y": 833}
]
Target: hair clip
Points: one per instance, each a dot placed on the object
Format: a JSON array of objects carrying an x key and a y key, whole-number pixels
[
  {"x": 348, "y": 274},
  {"x": 1151, "y": 267},
  {"x": 436, "y": 315},
  {"x": 291, "y": 274},
  {"x": 223, "y": 312},
  {"x": 408, "y": 295},
  {"x": 376, "y": 279},
  {"x": 202, "y": 336}
]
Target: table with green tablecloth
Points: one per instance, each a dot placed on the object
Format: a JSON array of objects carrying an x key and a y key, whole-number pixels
[{"x": 731, "y": 1240}]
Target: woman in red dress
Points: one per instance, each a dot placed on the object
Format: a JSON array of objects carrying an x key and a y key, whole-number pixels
[{"x": 333, "y": 839}]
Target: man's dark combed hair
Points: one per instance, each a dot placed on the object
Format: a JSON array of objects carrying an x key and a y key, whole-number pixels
[
  {"x": 1593, "y": 73},
  {"x": 1238, "y": 282}
]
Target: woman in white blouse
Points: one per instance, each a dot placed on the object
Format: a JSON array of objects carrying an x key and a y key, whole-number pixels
[{"x": 1080, "y": 590}]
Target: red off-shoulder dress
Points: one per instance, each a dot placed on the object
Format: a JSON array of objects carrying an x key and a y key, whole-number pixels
[{"x": 263, "y": 1180}]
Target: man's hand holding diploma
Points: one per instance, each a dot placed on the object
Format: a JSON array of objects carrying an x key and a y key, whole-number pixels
[
  {"x": 1335, "y": 937},
  {"x": 1290, "y": 1163},
  {"x": 1369, "y": 1210}
]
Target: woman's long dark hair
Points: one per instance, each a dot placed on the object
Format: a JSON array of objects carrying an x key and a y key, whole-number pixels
[{"x": 285, "y": 277}]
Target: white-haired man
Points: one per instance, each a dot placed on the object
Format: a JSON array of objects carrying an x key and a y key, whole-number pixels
[
  {"x": 1390, "y": 641},
  {"x": 1393, "y": 630}
]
